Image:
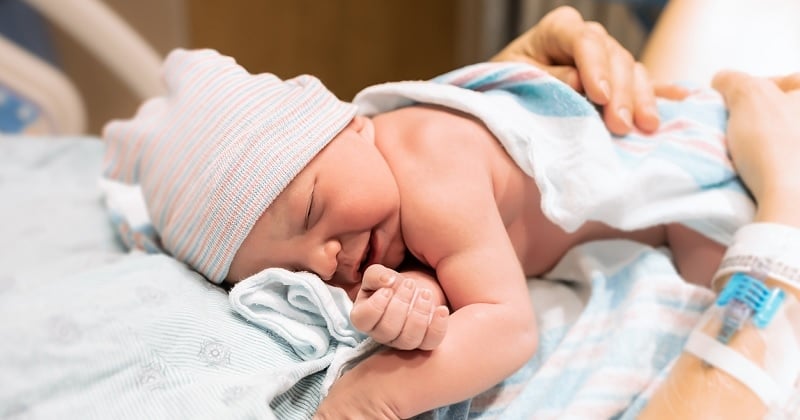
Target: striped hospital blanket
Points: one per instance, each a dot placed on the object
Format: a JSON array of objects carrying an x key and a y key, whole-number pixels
[{"x": 638, "y": 311}]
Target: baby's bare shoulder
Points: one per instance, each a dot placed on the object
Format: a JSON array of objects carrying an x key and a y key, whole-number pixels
[
  {"x": 442, "y": 162},
  {"x": 434, "y": 139}
]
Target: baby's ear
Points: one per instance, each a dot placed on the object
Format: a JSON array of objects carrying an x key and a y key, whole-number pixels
[{"x": 363, "y": 126}]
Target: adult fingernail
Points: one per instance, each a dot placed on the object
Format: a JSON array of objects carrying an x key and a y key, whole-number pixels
[
  {"x": 652, "y": 113},
  {"x": 605, "y": 89},
  {"x": 625, "y": 114}
]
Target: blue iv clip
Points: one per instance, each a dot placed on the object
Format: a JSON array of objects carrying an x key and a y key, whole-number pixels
[{"x": 746, "y": 297}]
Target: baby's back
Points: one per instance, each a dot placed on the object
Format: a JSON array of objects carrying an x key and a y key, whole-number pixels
[{"x": 430, "y": 139}]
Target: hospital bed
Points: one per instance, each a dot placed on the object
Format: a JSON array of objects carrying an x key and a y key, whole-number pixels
[{"x": 90, "y": 329}]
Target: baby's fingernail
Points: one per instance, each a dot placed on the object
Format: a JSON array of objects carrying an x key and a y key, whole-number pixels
[
  {"x": 408, "y": 283},
  {"x": 425, "y": 294},
  {"x": 625, "y": 114},
  {"x": 386, "y": 292},
  {"x": 389, "y": 280}
]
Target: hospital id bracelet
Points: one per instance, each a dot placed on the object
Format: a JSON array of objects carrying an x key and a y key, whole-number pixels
[
  {"x": 769, "y": 245},
  {"x": 746, "y": 297}
]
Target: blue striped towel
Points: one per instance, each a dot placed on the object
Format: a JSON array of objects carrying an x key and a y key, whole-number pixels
[{"x": 681, "y": 173}]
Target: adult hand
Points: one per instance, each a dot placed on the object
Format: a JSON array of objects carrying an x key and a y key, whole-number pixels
[
  {"x": 764, "y": 140},
  {"x": 583, "y": 55}
]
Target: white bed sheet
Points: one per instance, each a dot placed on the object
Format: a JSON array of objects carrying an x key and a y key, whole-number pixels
[{"x": 88, "y": 330}]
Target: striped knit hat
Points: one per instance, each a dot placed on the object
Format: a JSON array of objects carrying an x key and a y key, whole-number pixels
[{"x": 214, "y": 152}]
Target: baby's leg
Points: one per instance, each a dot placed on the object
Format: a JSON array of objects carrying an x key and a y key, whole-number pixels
[
  {"x": 694, "y": 39},
  {"x": 696, "y": 256}
]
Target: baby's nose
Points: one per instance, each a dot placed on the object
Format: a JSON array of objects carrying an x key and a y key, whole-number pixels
[{"x": 322, "y": 260}]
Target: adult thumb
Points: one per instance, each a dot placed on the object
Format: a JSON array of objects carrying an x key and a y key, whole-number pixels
[
  {"x": 788, "y": 82},
  {"x": 725, "y": 80},
  {"x": 733, "y": 84}
]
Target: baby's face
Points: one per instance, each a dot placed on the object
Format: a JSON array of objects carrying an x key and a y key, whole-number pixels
[{"x": 338, "y": 216}]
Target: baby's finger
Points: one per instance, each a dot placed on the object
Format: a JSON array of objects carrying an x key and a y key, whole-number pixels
[
  {"x": 391, "y": 323},
  {"x": 368, "y": 309},
  {"x": 645, "y": 113},
  {"x": 416, "y": 323},
  {"x": 436, "y": 329},
  {"x": 377, "y": 276}
]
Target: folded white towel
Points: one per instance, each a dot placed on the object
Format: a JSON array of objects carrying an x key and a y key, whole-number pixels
[{"x": 313, "y": 317}]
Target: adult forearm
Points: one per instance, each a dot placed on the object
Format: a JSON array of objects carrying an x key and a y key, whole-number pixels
[
  {"x": 780, "y": 207},
  {"x": 697, "y": 388},
  {"x": 485, "y": 343}
]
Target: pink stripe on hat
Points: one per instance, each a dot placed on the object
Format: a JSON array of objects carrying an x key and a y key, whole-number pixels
[{"x": 215, "y": 151}]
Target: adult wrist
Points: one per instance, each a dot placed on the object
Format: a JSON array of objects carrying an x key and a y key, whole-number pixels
[
  {"x": 771, "y": 248},
  {"x": 779, "y": 203},
  {"x": 784, "y": 212}
]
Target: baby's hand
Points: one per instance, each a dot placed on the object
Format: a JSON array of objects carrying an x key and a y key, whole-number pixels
[{"x": 393, "y": 310}]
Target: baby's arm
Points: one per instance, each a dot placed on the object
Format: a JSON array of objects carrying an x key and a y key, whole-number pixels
[
  {"x": 491, "y": 332},
  {"x": 405, "y": 310}
]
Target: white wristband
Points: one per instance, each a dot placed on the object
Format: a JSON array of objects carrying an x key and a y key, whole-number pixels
[{"x": 771, "y": 247}]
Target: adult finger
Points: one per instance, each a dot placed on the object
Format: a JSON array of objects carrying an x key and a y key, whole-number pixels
[
  {"x": 670, "y": 91},
  {"x": 737, "y": 87},
  {"x": 567, "y": 74},
  {"x": 788, "y": 82},
  {"x": 728, "y": 81},
  {"x": 595, "y": 62},
  {"x": 645, "y": 113},
  {"x": 619, "y": 111}
]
